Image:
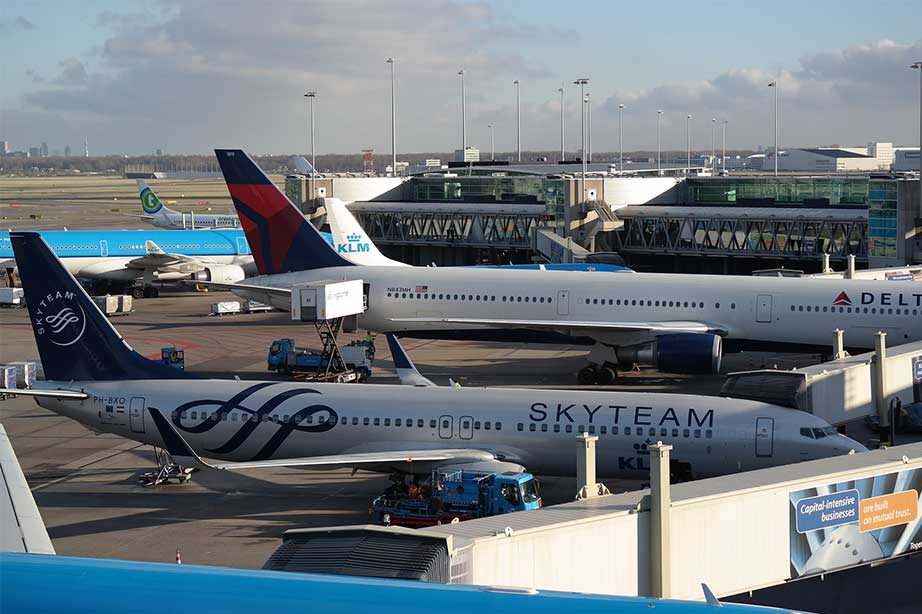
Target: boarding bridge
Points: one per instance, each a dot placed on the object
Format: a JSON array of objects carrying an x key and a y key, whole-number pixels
[
  {"x": 793, "y": 233},
  {"x": 456, "y": 225}
]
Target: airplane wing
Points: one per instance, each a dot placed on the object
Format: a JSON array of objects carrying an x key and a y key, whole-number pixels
[
  {"x": 50, "y": 394},
  {"x": 182, "y": 452},
  {"x": 159, "y": 259},
  {"x": 407, "y": 372},
  {"x": 21, "y": 525},
  {"x": 280, "y": 298},
  {"x": 676, "y": 326}
]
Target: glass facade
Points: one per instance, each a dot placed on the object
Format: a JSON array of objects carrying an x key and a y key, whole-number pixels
[
  {"x": 882, "y": 219},
  {"x": 482, "y": 189},
  {"x": 781, "y": 190}
]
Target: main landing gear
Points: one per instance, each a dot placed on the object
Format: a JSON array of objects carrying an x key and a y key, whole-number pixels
[
  {"x": 604, "y": 375},
  {"x": 167, "y": 469}
]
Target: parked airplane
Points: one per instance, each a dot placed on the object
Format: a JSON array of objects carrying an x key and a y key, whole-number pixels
[
  {"x": 351, "y": 240},
  {"x": 160, "y": 215},
  {"x": 33, "y": 581},
  {"x": 134, "y": 259},
  {"x": 676, "y": 322},
  {"x": 95, "y": 378}
]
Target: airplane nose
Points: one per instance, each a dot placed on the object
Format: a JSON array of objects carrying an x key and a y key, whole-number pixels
[{"x": 846, "y": 444}]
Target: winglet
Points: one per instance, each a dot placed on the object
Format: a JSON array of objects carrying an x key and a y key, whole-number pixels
[
  {"x": 153, "y": 249},
  {"x": 709, "y": 596},
  {"x": 174, "y": 443},
  {"x": 407, "y": 372}
]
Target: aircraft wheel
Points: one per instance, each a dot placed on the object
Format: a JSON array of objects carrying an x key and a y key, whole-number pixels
[
  {"x": 151, "y": 292},
  {"x": 606, "y": 376},
  {"x": 137, "y": 292},
  {"x": 587, "y": 376}
]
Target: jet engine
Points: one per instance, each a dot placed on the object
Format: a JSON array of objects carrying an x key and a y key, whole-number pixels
[
  {"x": 224, "y": 273},
  {"x": 693, "y": 353}
]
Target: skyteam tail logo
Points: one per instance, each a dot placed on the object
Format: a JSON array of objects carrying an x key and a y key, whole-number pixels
[
  {"x": 60, "y": 317},
  {"x": 353, "y": 245},
  {"x": 842, "y": 300},
  {"x": 150, "y": 202}
]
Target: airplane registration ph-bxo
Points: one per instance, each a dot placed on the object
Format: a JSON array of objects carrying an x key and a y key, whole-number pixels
[
  {"x": 95, "y": 378},
  {"x": 679, "y": 323},
  {"x": 160, "y": 215}
]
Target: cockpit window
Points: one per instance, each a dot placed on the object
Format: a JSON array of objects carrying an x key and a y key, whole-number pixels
[
  {"x": 807, "y": 432},
  {"x": 819, "y": 433}
]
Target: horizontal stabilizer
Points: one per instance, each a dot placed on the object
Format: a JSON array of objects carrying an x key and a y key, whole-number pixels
[
  {"x": 48, "y": 394},
  {"x": 21, "y": 526}
]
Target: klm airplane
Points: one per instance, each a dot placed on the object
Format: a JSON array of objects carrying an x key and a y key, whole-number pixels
[{"x": 132, "y": 260}]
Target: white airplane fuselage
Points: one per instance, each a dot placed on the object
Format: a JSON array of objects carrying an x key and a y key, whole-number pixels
[
  {"x": 249, "y": 420},
  {"x": 799, "y": 312}
]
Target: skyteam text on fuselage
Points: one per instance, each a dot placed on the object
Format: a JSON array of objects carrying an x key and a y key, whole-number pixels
[
  {"x": 679, "y": 323},
  {"x": 94, "y": 377}
]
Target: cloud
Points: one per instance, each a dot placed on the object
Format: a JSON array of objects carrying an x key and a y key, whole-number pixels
[
  {"x": 20, "y": 23},
  {"x": 72, "y": 73}
]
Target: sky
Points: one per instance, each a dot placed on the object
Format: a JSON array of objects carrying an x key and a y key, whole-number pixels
[{"x": 187, "y": 76}]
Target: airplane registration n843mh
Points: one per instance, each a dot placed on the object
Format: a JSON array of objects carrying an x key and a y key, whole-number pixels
[
  {"x": 679, "y": 323},
  {"x": 95, "y": 378}
]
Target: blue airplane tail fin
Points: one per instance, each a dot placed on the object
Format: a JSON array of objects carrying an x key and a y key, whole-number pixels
[
  {"x": 75, "y": 340},
  {"x": 280, "y": 238}
]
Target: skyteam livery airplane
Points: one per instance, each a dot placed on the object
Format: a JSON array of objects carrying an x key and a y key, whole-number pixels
[
  {"x": 676, "y": 322},
  {"x": 95, "y": 378},
  {"x": 160, "y": 215}
]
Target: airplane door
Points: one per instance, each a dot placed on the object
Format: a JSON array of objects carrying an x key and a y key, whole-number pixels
[
  {"x": 764, "y": 308},
  {"x": 446, "y": 426},
  {"x": 103, "y": 248},
  {"x": 136, "y": 414},
  {"x": 243, "y": 248},
  {"x": 765, "y": 436},
  {"x": 563, "y": 302},
  {"x": 466, "y": 427}
]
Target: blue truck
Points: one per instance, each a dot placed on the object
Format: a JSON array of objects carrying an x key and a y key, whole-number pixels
[
  {"x": 456, "y": 495},
  {"x": 286, "y": 358}
]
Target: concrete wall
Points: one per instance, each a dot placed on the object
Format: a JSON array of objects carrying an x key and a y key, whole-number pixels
[{"x": 619, "y": 192}]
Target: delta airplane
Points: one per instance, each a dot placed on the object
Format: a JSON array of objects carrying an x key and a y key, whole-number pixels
[
  {"x": 162, "y": 216},
  {"x": 35, "y": 581},
  {"x": 678, "y": 323},
  {"x": 351, "y": 240},
  {"x": 95, "y": 378}
]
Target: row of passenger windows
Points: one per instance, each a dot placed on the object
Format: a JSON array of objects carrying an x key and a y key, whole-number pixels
[
  {"x": 826, "y": 309},
  {"x": 614, "y": 430},
  {"x": 650, "y": 303},
  {"x": 483, "y": 298},
  {"x": 343, "y": 420}
]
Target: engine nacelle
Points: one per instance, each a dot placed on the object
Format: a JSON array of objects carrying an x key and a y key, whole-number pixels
[
  {"x": 692, "y": 353},
  {"x": 224, "y": 273}
]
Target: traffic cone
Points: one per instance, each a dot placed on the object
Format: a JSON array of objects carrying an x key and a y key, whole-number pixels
[{"x": 178, "y": 557}]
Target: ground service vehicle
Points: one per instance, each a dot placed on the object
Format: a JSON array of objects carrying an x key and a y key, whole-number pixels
[
  {"x": 286, "y": 358},
  {"x": 456, "y": 494}
]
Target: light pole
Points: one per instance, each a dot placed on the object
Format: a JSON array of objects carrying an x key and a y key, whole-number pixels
[
  {"x": 393, "y": 64},
  {"x": 659, "y": 165},
  {"x": 582, "y": 127},
  {"x": 562, "y": 153},
  {"x": 518, "y": 123},
  {"x": 492, "y": 150},
  {"x": 620, "y": 138},
  {"x": 918, "y": 66},
  {"x": 714, "y": 144},
  {"x": 588, "y": 128},
  {"x": 774, "y": 84},
  {"x": 463, "y": 119},
  {"x": 723, "y": 157},
  {"x": 310, "y": 180},
  {"x": 688, "y": 145}
]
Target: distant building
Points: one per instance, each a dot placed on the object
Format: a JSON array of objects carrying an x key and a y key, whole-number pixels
[
  {"x": 86, "y": 148},
  {"x": 35, "y": 152},
  {"x": 4, "y": 148},
  {"x": 67, "y": 151},
  {"x": 44, "y": 149},
  {"x": 158, "y": 153},
  {"x": 471, "y": 154},
  {"x": 822, "y": 159},
  {"x": 906, "y": 159}
]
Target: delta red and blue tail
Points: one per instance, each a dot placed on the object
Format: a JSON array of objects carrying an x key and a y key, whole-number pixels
[{"x": 280, "y": 238}]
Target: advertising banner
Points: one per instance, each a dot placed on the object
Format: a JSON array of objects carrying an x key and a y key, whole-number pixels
[{"x": 854, "y": 522}]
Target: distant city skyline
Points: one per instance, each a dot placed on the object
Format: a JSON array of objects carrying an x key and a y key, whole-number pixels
[{"x": 139, "y": 75}]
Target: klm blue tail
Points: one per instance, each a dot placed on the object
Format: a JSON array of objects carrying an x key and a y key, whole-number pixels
[
  {"x": 280, "y": 238},
  {"x": 75, "y": 340}
]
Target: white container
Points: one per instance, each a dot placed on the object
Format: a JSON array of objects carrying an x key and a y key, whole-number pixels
[
  {"x": 26, "y": 372},
  {"x": 108, "y": 304},
  {"x": 326, "y": 300},
  {"x": 225, "y": 307},
  {"x": 8, "y": 376},
  {"x": 255, "y": 307},
  {"x": 11, "y": 296},
  {"x": 125, "y": 303}
]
